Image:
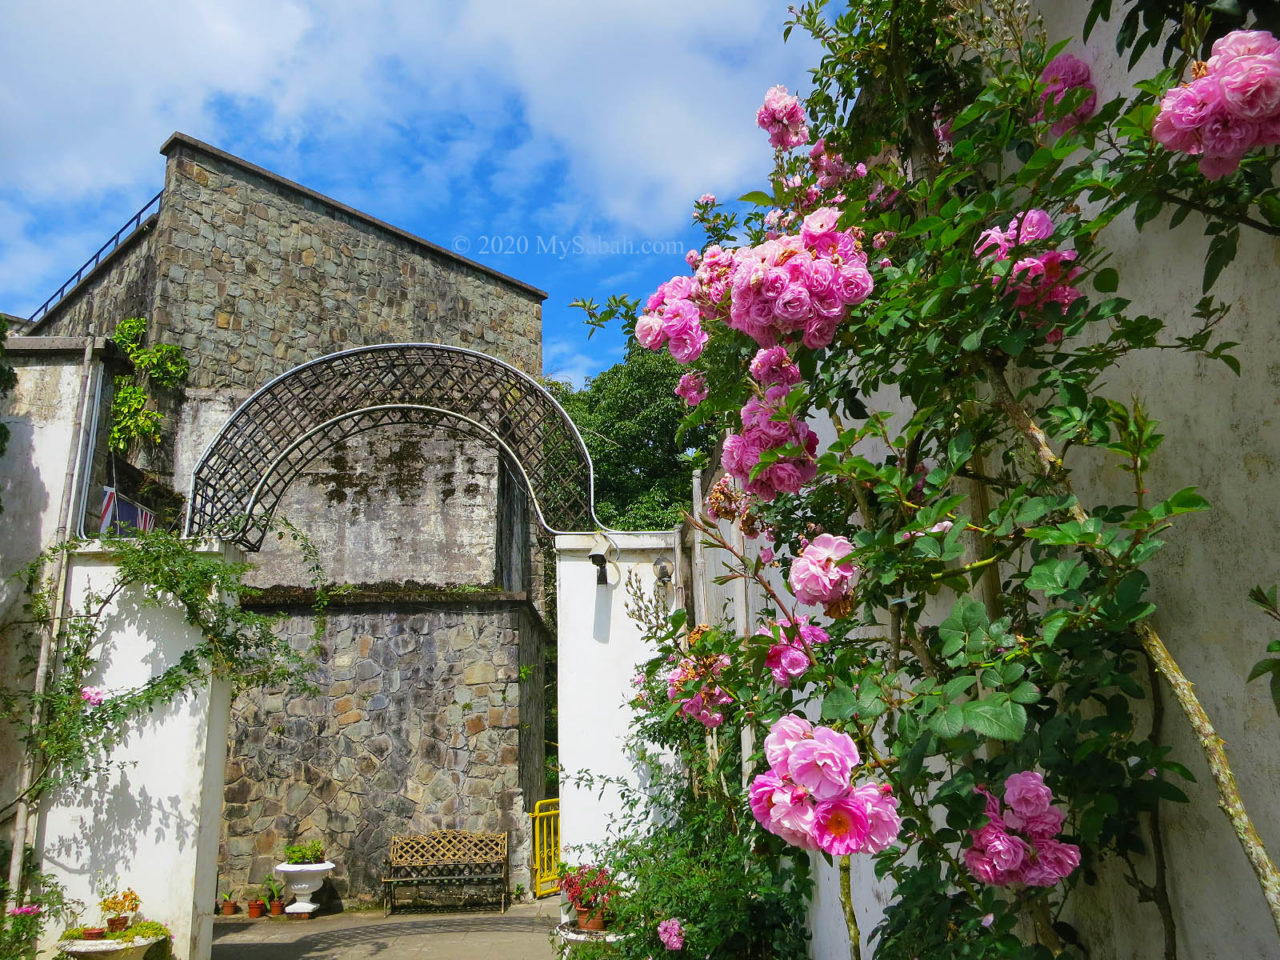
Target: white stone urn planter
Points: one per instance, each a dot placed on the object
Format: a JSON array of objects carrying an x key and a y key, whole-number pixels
[
  {"x": 302, "y": 880},
  {"x": 108, "y": 949}
]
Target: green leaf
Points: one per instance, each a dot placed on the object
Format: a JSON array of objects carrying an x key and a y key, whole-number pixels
[
  {"x": 996, "y": 717},
  {"x": 960, "y": 685},
  {"x": 967, "y": 621},
  {"x": 1262, "y": 667},
  {"x": 1025, "y": 692},
  {"x": 1106, "y": 281},
  {"x": 840, "y": 702},
  {"x": 758, "y": 197},
  {"x": 948, "y": 723}
]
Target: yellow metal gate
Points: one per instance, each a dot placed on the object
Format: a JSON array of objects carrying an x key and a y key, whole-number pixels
[{"x": 546, "y": 847}]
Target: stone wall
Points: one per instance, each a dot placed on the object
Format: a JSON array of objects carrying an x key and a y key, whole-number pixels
[
  {"x": 122, "y": 285},
  {"x": 420, "y": 724},
  {"x": 391, "y": 506},
  {"x": 256, "y": 275}
]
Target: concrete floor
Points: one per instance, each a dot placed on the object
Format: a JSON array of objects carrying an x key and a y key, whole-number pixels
[{"x": 518, "y": 934}]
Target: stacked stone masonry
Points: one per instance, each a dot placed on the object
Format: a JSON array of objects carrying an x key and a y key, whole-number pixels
[{"x": 417, "y": 727}]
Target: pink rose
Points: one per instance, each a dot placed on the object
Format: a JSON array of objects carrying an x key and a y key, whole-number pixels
[
  {"x": 687, "y": 345},
  {"x": 760, "y": 796},
  {"x": 841, "y": 826},
  {"x": 1251, "y": 86},
  {"x": 792, "y": 817},
  {"x": 1226, "y": 135},
  {"x": 773, "y": 365},
  {"x": 995, "y": 241},
  {"x": 692, "y": 388},
  {"x": 1241, "y": 43},
  {"x": 1039, "y": 826},
  {"x": 1006, "y": 852},
  {"x": 980, "y": 865},
  {"x": 651, "y": 332},
  {"x": 792, "y": 305},
  {"x": 854, "y": 284},
  {"x": 823, "y": 763},
  {"x": 783, "y": 736},
  {"x": 92, "y": 696},
  {"x": 823, "y": 570},
  {"x": 787, "y": 476},
  {"x": 1026, "y": 794},
  {"x": 786, "y": 662},
  {"x": 774, "y": 282},
  {"x": 1214, "y": 167},
  {"x": 883, "y": 822},
  {"x": 819, "y": 331},
  {"x": 821, "y": 276},
  {"x": 671, "y": 933},
  {"x": 1033, "y": 225},
  {"x": 1056, "y": 858}
]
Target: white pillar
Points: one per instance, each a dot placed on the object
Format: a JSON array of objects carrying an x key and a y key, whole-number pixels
[
  {"x": 599, "y": 648},
  {"x": 150, "y": 822}
]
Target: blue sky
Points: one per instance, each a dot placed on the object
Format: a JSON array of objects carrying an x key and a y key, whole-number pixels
[{"x": 560, "y": 142}]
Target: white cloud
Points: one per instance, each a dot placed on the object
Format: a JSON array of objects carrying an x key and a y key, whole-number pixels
[
  {"x": 611, "y": 115},
  {"x": 568, "y": 360}
]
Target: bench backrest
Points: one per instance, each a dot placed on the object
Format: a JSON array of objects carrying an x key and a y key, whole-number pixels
[{"x": 448, "y": 846}]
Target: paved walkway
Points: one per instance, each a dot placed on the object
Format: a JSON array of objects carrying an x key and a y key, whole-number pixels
[{"x": 518, "y": 934}]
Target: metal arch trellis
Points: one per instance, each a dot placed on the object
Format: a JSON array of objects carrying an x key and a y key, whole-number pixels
[{"x": 299, "y": 415}]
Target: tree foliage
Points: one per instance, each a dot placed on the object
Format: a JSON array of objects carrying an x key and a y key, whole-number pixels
[{"x": 630, "y": 420}]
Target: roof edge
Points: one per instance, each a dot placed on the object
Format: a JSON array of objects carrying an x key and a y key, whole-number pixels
[{"x": 177, "y": 139}]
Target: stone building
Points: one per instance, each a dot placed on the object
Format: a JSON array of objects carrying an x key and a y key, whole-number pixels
[{"x": 430, "y": 668}]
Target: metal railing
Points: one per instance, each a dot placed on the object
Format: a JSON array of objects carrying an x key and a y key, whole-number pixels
[
  {"x": 546, "y": 847},
  {"x": 134, "y": 222}
]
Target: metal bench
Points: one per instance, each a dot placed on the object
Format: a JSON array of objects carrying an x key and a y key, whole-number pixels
[{"x": 446, "y": 857}]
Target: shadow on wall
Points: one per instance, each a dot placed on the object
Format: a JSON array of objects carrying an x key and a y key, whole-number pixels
[
  {"x": 25, "y": 500},
  {"x": 116, "y": 822},
  {"x": 603, "y": 613}
]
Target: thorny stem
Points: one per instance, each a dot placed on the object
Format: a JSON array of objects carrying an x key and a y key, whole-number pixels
[
  {"x": 850, "y": 918},
  {"x": 1229, "y": 798}
]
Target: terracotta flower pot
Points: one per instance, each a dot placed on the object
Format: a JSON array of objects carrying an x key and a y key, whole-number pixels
[
  {"x": 116, "y": 924},
  {"x": 256, "y": 909},
  {"x": 589, "y": 921},
  {"x": 228, "y": 908},
  {"x": 94, "y": 933},
  {"x": 277, "y": 907}
]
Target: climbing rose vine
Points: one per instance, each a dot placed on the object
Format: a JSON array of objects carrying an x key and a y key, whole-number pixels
[{"x": 906, "y": 337}]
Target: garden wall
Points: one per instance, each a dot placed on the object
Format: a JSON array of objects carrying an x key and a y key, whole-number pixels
[{"x": 428, "y": 716}]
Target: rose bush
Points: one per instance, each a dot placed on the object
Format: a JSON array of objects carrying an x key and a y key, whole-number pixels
[{"x": 984, "y": 623}]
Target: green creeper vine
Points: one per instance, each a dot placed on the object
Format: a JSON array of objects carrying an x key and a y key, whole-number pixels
[{"x": 133, "y": 419}]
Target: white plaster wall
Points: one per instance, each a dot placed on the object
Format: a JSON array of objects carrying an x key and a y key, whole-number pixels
[
  {"x": 599, "y": 648},
  {"x": 40, "y": 414},
  {"x": 1222, "y": 435},
  {"x": 151, "y": 820}
]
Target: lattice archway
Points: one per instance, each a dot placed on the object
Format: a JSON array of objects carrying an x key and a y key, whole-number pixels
[{"x": 286, "y": 424}]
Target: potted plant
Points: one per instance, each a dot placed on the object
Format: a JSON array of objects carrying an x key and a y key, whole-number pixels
[
  {"x": 257, "y": 907},
  {"x": 274, "y": 889},
  {"x": 588, "y": 888},
  {"x": 304, "y": 869},
  {"x": 131, "y": 943},
  {"x": 117, "y": 906},
  {"x": 228, "y": 904}
]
